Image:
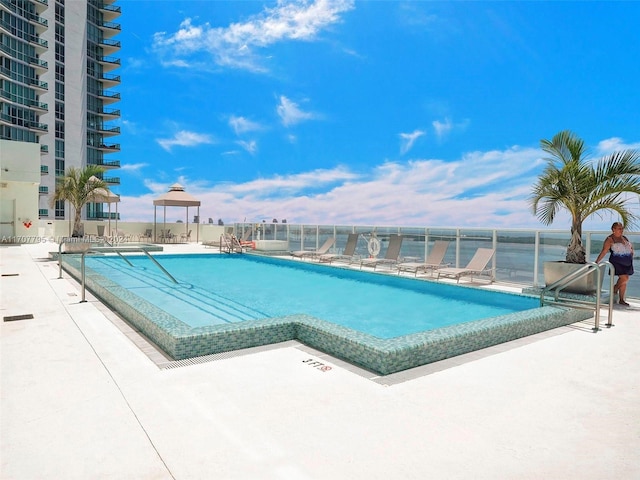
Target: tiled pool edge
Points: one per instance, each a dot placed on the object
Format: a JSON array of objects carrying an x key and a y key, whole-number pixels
[{"x": 381, "y": 356}]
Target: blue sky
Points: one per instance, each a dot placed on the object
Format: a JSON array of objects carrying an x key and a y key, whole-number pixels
[{"x": 379, "y": 112}]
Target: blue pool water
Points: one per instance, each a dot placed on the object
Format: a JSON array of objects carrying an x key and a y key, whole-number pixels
[{"x": 219, "y": 289}]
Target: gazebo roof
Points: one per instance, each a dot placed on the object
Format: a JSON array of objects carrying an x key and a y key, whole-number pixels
[
  {"x": 103, "y": 195},
  {"x": 100, "y": 195},
  {"x": 176, "y": 197}
]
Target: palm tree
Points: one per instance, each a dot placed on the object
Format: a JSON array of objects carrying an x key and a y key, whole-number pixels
[
  {"x": 78, "y": 187},
  {"x": 573, "y": 183}
]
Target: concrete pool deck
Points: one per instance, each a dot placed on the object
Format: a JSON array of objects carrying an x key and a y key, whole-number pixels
[{"x": 80, "y": 399}]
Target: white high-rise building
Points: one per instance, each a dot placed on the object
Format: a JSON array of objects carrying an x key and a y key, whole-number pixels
[{"x": 57, "y": 80}]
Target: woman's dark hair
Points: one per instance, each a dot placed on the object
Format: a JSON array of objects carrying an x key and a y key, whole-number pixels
[{"x": 616, "y": 224}]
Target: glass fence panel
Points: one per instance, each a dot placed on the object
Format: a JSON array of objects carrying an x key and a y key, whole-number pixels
[
  {"x": 515, "y": 255},
  {"x": 515, "y": 259}
]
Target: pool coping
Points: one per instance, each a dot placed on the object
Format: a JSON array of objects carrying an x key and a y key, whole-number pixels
[{"x": 382, "y": 356}]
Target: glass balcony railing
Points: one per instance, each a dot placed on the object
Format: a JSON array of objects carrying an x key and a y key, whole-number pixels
[{"x": 519, "y": 258}]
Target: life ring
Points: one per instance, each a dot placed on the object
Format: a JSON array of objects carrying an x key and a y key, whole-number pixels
[{"x": 373, "y": 245}]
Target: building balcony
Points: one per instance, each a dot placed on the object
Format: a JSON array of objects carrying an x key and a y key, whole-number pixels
[
  {"x": 109, "y": 131},
  {"x": 38, "y": 126},
  {"x": 43, "y": 107},
  {"x": 44, "y": 149},
  {"x": 112, "y": 165},
  {"x": 103, "y": 216},
  {"x": 105, "y": 130},
  {"x": 109, "y": 97},
  {"x": 41, "y": 5},
  {"x": 108, "y": 147},
  {"x": 109, "y": 29},
  {"x": 40, "y": 23},
  {"x": 108, "y": 165},
  {"x": 109, "y": 63},
  {"x": 109, "y": 113},
  {"x": 43, "y": 190},
  {"x": 110, "y": 12},
  {"x": 111, "y": 180},
  {"x": 40, "y": 45},
  {"x": 44, "y": 170},
  {"x": 43, "y": 212},
  {"x": 109, "y": 80},
  {"x": 109, "y": 46},
  {"x": 39, "y": 65},
  {"x": 37, "y": 84}
]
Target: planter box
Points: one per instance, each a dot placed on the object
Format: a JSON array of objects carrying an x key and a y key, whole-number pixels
[{"x": 554, "y": 271}]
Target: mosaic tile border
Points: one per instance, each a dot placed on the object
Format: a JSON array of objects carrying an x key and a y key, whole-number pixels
[{"x": 382, "y": 356}]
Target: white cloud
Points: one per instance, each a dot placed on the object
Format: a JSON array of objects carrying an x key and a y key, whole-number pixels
[
  {"x": 480, "y": 189},
  {"x": 290, "y": 113},
  {"x": 446, "y": 126},
  {"x": 185, "y": 139},
  {"x": 133, "y": 167},
  {"x": 250, "y": 146},
  {"x": 408, "y": 139},
  {"x": 614, "y": 144},
  {"x": 242, "y": 125},
  {"x": 236, "y": 45}
]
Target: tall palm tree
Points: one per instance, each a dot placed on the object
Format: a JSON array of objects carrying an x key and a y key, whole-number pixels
[
  {"x": 573, "y": 183},
  {"x": 77, "y": 187}
]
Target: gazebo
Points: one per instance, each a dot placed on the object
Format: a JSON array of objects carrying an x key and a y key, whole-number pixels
[
  {"x": 103, "y": 195},
  {"x": 175, "y": 197}
]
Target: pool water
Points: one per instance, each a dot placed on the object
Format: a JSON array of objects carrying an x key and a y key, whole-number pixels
[{"x": 222, "y": 289}]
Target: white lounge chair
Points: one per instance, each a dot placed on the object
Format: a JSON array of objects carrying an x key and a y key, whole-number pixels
[
  {"x": 476, "y": 266},
  {"x": 348, "y": 254},
  {"x": 391, "y": 257},
  {"x": 431, "y": 263},
  {"x": 324, "y": 248}
]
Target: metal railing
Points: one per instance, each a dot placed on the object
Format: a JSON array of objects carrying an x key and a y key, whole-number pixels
[
  {"x": 85, "y": 247},
  {"x": 552, "y": 294}
]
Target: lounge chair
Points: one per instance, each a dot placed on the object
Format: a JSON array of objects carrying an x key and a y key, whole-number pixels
[
  {"x": 392, "y": 256},
  {"x": 476, "y": 266},
  {"x": 146, "y": 235},
  {"x": 315, "y": 253},
  {"x": 348, "y": 254},
  {"x": 244, "y": 240},
  {"x": 431, "y": 263}
]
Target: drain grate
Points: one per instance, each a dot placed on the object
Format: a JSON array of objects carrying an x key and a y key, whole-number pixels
[{"x": 13, "y": 318}]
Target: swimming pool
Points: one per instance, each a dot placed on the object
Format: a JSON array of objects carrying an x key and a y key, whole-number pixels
[{"x": 381, "y": 322}]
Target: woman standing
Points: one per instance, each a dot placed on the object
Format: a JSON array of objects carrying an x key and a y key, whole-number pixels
[{"x": 621, "y": 258}]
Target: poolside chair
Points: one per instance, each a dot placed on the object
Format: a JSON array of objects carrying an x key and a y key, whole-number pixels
[
  {"x": 348, "y": 254},
  {"x": 431, "y": 263},
  {"x": 392, "y": 257},
  {"x": 476, "y": 266},
  {"x": 146, "y": 235},
  {"x": 328, "y": 243},
  {"x": 185, "y": 237},
  {"x": 244, "y": 240}
]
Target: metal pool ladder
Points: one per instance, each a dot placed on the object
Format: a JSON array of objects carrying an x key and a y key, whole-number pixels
[
  {"x": 550, "y": 294},
  {"x": 85, "y": 247}
]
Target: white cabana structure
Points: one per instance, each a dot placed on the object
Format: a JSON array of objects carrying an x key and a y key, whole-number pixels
[
  {"x": 175, "y": 197},
  {"x": 104, "y": 195},
  {"x": 101, "y": 195}
]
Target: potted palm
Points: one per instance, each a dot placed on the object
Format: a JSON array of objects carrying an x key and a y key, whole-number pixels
[{"x": 583, "y": 188}]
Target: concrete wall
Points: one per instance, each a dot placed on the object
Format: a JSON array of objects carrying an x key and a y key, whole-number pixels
[
  {"x": 19, "y": 183},
  {"x": 202, "y": 232}
]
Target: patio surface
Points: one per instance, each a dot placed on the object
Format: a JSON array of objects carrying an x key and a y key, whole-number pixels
[{"x": 82, "y": 397}]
